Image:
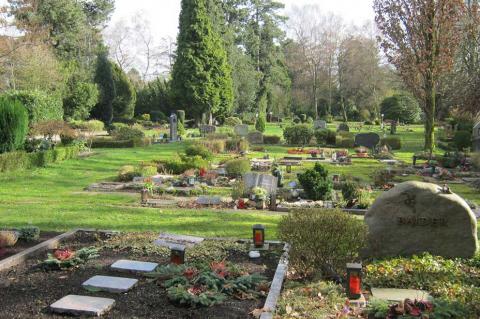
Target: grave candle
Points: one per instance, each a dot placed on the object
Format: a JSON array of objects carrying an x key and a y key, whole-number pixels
[
  {"x": 354, "y": 280},
  {"x": 258, "y": 235},
  {"x": 177, "y": 254}
]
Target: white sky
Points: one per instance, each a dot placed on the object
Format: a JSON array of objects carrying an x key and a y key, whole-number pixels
[{"x": 163, "y": 14}]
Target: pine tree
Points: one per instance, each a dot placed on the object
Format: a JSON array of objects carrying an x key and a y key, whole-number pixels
[
  {"x": 125, "y": 95},
  {"x": 201, "y": 75},
  {"x": 104, "y": 78}
]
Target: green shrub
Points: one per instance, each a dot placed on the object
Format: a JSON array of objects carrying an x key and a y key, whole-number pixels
[
  {"x": 200, "y": 150},
  {"x": 147, "y": 170},
  {"x": 382, "y": 177},
  {"x": 462, "y": 140},
  {"x": 184, "y": 163},
  {"x": 232, "y": 121},
  {"x": 29, "y": 233},
  {"x": 91, "y": 126},
  {"x": 128, "y": 133},
  {"x": 117, "y": 126},
  {"x": 13, "y": 125},
  {"x": 236, "y": 145},
  {"x": 351, "y": 191},
  {"x": 299, "y": 134},
  {"x": 315, "y": 183},
  {"x": 322, "y": 239},
  {"x": 41, "y": 106},
  {"x": 237, "y": 167},
  {"x": 303, "y": 118},
  {"x": 157, "y": 116},
  {"x": 344, "y": 141},
  {"x": 393, "y": 142},
  {"x": 271, "y": 139},
  {"x": 127, "y": 173},
  {"x": 109, "y": 143},
  {"x": 401, "y": 107},
  {"x": 261, "y": 123},
  {"x": 325, "y": 137}
]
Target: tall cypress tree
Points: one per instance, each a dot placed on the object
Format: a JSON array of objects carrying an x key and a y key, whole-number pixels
[
  {"x": 201, "y": 75},
  {"x": 104, "y": 78}
]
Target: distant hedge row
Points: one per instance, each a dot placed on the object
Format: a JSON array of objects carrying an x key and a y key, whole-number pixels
[
  {"x": 22, "y": 160},
  {"x": 110, "y": 143}
]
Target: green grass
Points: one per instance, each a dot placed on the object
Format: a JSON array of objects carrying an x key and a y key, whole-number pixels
[{"x": 53, "y": 199}]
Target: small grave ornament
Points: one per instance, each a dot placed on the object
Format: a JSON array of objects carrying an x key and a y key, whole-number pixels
[
  {"x": 354, "y": 280},
  {"x": 258, "y": 235},
  {"x": 177, "y": 254}
]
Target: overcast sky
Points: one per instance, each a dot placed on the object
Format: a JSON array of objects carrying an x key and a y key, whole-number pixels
[{"x": 163, "y": 14}]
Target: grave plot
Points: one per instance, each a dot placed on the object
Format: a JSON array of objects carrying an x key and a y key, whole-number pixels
[
  {"x": 112, "y": 276},
  {"x": 16, "y": 241}
]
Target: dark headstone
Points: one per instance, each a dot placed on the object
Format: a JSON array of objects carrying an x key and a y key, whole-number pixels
[
  {"x": 368, "y": 140},
  {"x": 255, "y": 137}
]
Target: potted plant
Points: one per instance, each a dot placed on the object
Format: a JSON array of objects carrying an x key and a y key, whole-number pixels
[{"x": 259, "y": 195}]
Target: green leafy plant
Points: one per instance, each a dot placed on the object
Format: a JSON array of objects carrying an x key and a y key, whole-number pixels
[
  {"x": 29, "y": 234},
  {"x": 199, "y": 150},
  {"x": 126, "y": 173},
  {"x": 237, "y": 167},
  {"x": 65, "y": 259},
  {"x": 13, "y": 125},
  {"x": 325, "y": 137},
  {"x": 261, "y": 123},
  {"x": 393, "y": 142},
  {"x": 299, "y": 134},
  {"x": 315, "y": 183},
  {"x": 271, "y": 139},
  {"x": 232, "y": 121}
]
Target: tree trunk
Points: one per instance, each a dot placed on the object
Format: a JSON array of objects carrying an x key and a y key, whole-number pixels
[{"x": 430, "y": 119}]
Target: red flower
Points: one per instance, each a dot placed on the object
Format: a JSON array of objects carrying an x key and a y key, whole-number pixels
[
  {"x": 219, "y": 268},
  {"x": 63, "y": 254},
  {"x": 189, "y": 273}
]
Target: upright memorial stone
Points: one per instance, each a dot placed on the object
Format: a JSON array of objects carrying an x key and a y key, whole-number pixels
[
  {"x": 268, "y": 182},
  {"x": 319, "y": 125},
  {"x": 255, "y": 137},
  {"x": 241, "y": 130},
  {"x": 173, "y": 128},
  {"x": 415, "y": 217},
  {"x": 369, "y": 140},
  {"x": 207, "y": 129}
]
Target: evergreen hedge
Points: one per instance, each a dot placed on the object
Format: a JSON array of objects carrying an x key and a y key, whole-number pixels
[
  {"x": 13, "y": 125},
  {"x": 40, "y": 105}
]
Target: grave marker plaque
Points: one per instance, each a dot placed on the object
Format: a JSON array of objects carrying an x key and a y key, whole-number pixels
[
  {"x": 255, "y": 137},
  {"x": 173, "y": 128},
  {"x": 319, "y": 125},
  {"x": 241, "y": 130},
  {"x": 268, "y": 182}
]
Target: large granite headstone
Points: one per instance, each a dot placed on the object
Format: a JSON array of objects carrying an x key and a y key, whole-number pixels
[
  {"x": 476, "y": 137},
  {"x": 319, "y": 125},
  {"x": 241, "y": 130},
  {"x": 173, "y": 127},
  {"x": 343, "y": 127},
  {"x": 416, "y": 217},
  {"x": 207, "y": 129},
  {"x": 368, "y": 140},
  {"x": 255, "y": 137},
  {"x": 268, "y": 182}
]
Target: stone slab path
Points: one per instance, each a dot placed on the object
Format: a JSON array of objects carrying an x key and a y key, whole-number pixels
[
  {"x": 82, "y": 305},
  {"x": 110, "y": 284}
]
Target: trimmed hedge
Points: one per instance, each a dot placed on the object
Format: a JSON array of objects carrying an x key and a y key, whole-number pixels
[
  {"x": 22, "y": 160},
  {"x": 394, "y": 142},
  {"x": 40, "y": 105},
  {"x": 109, "y": 143},
  {"x": 271, "y": 139},
  {"x": 13, "y": 125}
]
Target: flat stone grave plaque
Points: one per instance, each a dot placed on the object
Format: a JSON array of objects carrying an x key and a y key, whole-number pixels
[
  {"x": 268, "y": 182},
  {"x": 241, "y": 130},
  {"x": 399, "y": 295},
  {"x": 133, "y": 266},
  {"x": 368, "y": 140},
  {"x": 110, "y": 284},
  {"x": 319, "y": 125},
  {"x": 209, "y": 200},
  {"x": 82, "y": 305},
  {"x": 170, "y": 240}
]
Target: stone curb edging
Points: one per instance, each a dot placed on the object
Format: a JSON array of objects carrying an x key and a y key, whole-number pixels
[
  {"x": 24, "y": 255},
  {"x": 276, "y": 286}
]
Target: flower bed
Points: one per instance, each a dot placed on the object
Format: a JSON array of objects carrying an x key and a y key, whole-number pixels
[{"x": 32, "y": 288}]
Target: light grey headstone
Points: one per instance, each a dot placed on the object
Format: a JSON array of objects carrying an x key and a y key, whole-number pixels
[
  {"x": 368, "y": 140},
  {"x": 415, "y": 217},
  {"x": 207, "y": 129},
  {"x": 399, "y": 295},
  {"x": 209, "y": 200},
  {"x": 82, "y": 305},
  {"x": 169, "y": 240},
  {"x": 268, "y": 182},
  {"x": 173, "y": 127},
  {"x": 255, "y": 137},
  {"x": 133, "y": 266},
  {"x": 319, "y": 125},
  {"x": 110, "y": 284},
  {"x": 241, "y": 129}
]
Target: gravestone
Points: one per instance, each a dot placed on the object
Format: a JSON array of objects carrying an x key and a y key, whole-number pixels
[
  {"x": 416, "y": 217},
  {"x": 110, "y": 284},
  {"x": 173, "y": 127},
  {"x": 343, "y": 127},
  {"x": 319, "y": 125},
  {"x": 170, "y": 240},
  {"x": 368, "y": 140},
  {"x": 268, "y": 182},
  {"x": 207, "y": 129},
  {"x": 82, "y": 305},
  {"x": 133, "y": 266},
  {"x": 476, "y": 137},
  {"x": 241, "y": 130},
  {"x": 255, "y": 137},
  {"x": 209, "y": 200}
]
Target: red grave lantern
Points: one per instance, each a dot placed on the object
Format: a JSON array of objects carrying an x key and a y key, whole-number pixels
[
  {"x": 258, "y": 235},
  {"x": 354, "y": 280},
  {"x": 177, "y": 254}
]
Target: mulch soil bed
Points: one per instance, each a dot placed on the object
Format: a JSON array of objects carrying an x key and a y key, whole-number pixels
[
  {"x": 21, "y": 245},
  {"x": 26, "y": 291}
]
